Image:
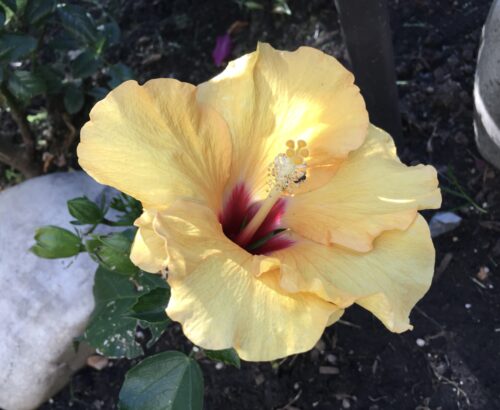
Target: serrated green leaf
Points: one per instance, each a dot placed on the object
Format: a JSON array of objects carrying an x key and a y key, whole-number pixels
[
  {"x": 73, "y": 99},
  {"x": 119, "y": 73},
  {"x": 37, "y": 10},
  {"x": 85, "y": 211},
  {"x": 166, "y": 381},
  {"x": 25, "y": 84},
  {"x": 227, "y": 356},
  {"x": 110, "y": 330},
  {"x": 14, "y": 47},
  {"x": 113, "y": 252},
  {"x": 55, "y": 242},
  {"x": 78, "y": 23},
  {"x": 85, "y": 65},
  {"x": 151, "y": 306}
]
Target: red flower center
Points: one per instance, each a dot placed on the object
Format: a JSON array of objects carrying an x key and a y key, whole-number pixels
[{"x": 239, "y": 210}]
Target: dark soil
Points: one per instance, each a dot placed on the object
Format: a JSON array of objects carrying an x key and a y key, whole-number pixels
[{"x": 456, "y": 363}]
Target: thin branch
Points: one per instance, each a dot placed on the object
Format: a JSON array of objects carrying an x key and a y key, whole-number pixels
[
  {"x": 16, "y": 157},
  {"x": 21, "y": 120}
]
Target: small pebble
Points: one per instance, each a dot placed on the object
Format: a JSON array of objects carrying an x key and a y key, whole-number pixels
[
  {"x": 468, "y": 306},
  {"x": 219, "y": 366},
  {"x": 328, "y": 370},
  {"x": 420, "y": 342},
  {"x": 296, "y": 386},
  {"x": 346, "y": 404}
]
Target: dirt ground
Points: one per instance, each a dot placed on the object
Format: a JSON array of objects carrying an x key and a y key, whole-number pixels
[{"x": 451, "y": 359}]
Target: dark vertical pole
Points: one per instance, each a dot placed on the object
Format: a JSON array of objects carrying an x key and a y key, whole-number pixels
[{"x": 367, "y": 35}]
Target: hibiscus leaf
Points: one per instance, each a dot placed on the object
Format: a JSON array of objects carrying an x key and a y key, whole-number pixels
[
  {"x": 151, "y": 306},
  {"x": 169, "y": 380},
  {"x": 227, "y": 356},
  {"x": 112, "y": 329}
]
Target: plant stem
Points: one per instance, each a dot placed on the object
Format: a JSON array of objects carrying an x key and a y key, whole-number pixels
[{"x": 19, "y": 116}]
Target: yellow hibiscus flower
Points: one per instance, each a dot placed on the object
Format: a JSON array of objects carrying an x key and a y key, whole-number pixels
[{"x": 269, "y": 197}]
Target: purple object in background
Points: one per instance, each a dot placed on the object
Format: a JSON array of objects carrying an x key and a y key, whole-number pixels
[{"x": 222, "y": 49}]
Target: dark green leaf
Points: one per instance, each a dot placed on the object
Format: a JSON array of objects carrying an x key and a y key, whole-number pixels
[
  {"x": 10, "y": 4},
  {"x": 111, "y": 32},
  {"x": 112, "y": 252},
  {"x": 156, "y": 329},
  {"x": 85, "y": 211},
  {"x": 119, "y": 73},
  {"x": 52, "y": 78},
  {"x": 37, "y": 10},
  {"x": 228, "y": 356},
  {"x": 73, "y": 102},
  {"x": 15, "y": 46},
  {"x": 110, "y": 330},
  {"x": 151, "y": 306},
  {"x": 78, "y": 23},
  {"x": 55, "y": 242},
  {"x": 98, "y": 92},
  {"x": 85, "y": 65},
  {"x": 25, "y": 84},
  {"x": 166, "y": 381}
]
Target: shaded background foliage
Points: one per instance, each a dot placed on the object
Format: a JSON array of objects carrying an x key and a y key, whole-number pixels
[{"x": 357, "y": 364}]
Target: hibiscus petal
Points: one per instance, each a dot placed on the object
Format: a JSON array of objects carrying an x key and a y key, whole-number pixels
[
  {"x": 372, "y": 192},
  {"x": 270, "y": 96},
  {"x": 388, "y": 281},
  {"x": 220, "y": 302},
  {"x": 149, "y": 249},
  {"x": 156, "y": 143}
]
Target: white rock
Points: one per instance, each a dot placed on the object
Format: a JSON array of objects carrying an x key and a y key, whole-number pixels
[
  {"x": 44, "y": 304},
  {"x": 443, "y": 222},
  {"x": 487, "y": 89}
]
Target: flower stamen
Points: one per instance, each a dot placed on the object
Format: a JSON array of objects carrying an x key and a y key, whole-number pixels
[{"x": 287, "y": 171}]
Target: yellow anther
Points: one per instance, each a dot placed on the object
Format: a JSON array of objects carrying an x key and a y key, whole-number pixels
[
  {"x": 290, "y": 144},
  {"x": 301, "y": 143},
  {"x": 290, "y": 153},
  {"x": 297, "y": 160},
  {"x": 304, "y": 152}
]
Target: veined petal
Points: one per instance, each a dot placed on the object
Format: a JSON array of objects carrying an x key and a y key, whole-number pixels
[
  {"x": 220, "y": 302},
  {"x": 388, "y": 281},
  {"x": 157, "y": 143},
  {"x": 372, "y": 192},
  {"x": 149, "y": 250},
  {"x": 270, "y": 96}
]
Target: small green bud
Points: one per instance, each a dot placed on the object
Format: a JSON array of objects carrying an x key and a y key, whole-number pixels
[{"x": 54, "y": 242}]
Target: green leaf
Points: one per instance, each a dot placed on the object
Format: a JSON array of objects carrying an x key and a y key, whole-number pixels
[
  {"x": 73, "y": 101},
  {"x": 9, "y": 4},
  {"x": 78, "y": 23},
  {"x": 151, "y": 306},
  {"x": 113, "y": 252},
  {"x": 166, "y": 381},
  {"x": 111, "y": 32},
  {"x": 156, "y": 329},
  {"x": 110, "y": 330},
  {"x": 253, "y": 5},
  {"x": 55, "y": 242},
  {"x": 119, "y": 73},
  {"x": 85, "y": 211},
  {"x": 2, "y": 19},
  {"x": 85, "y": 65},
  {"x": 98, "y": 92},
  {"x": 25, "y": 84},
  {"x": 52, "y": 78},
  {"x": 228, "y": 356},
  {"x": 13, "y": 47},
  {"x": 37, "y": 10}
]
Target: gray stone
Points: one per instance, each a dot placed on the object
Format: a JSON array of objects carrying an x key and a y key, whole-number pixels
[
  {"x": 487, "y": 89},
  {"x": 443, "y": 222},
  {"x": 44, "y": 304}
]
